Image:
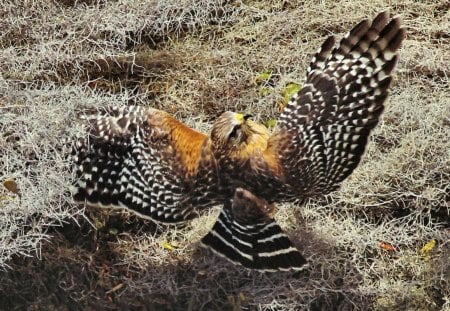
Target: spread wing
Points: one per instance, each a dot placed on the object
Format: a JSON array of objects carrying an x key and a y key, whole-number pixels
[
  {"x": 136, "y": 158},
  {"x": 322, "y": 132}
]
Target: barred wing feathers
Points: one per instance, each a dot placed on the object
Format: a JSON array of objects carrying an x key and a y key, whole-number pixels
[
  {"x": 323, "y": 131},
  {"x": 133, "y": 159}
]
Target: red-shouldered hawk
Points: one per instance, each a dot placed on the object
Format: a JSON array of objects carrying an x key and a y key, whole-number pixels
[{"x": 144, "y": 160}]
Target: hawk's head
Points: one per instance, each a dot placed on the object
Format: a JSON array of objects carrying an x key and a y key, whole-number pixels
[{"x": 234, "y": 134}]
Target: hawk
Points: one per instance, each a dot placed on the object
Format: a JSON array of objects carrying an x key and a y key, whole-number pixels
[{"x": 146, "y": 161}]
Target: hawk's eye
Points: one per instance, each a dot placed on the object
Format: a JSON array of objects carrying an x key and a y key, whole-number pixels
[{"x": 234, "y": 133}]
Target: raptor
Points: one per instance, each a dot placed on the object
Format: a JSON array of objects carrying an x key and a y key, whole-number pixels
[{"x": 146, "y": 161}]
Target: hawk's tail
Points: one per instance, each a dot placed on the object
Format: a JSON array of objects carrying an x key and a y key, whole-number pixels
[{"x": 246, "y": 233}]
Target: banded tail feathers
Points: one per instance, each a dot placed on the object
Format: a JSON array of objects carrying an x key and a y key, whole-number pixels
[{"x": 247, "y": 234}]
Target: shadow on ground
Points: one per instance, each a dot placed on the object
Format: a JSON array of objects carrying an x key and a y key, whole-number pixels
[{"x": 82, "y": 268}]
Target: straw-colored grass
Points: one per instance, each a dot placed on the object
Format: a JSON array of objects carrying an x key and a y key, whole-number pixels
[{"x": 61, "y": 60}]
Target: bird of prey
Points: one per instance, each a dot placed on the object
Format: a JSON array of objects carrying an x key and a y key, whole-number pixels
[{"x": 146, "y": 161}]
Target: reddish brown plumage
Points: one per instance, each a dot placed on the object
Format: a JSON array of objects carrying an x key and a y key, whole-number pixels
[{"x": 187, "y": 142}]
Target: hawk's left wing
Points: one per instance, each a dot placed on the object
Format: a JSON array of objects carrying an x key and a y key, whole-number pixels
[{"x": 323, "y": 131}]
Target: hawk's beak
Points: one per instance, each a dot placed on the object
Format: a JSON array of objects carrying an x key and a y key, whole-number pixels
[{"x": 241, "y": 118}]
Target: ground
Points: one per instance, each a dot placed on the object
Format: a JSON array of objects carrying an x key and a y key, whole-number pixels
[{"x": 381, "y": 242}]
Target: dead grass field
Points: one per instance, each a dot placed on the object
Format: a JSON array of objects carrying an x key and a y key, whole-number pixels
[{"x": 62, "y": 59}]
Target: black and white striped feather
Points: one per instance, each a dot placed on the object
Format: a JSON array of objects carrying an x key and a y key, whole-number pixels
[
  {"x": 118, "y": 167},
  {"x": 245, "y": 233},
  {"x": 323, "y": 131}
]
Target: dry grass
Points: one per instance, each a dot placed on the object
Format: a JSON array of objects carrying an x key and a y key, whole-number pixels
[{"x": 63, "y": 59}]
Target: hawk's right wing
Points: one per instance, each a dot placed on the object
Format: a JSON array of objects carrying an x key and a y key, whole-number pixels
[
  {"x": 140, "y": 159},
  {"x": 323, "y": 131}
]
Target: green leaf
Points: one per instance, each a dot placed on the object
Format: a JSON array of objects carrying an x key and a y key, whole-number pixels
[
  {"x": 264, "y": 76},
  {"x": 289, "y": 90},
  {"x": 271, "y": 123},
  {"x": 168, "y": 246},
  {"x": 99, "y": 224},
  {"x": 113, "y": 231},
  {"x": 427, "y": 248}
]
